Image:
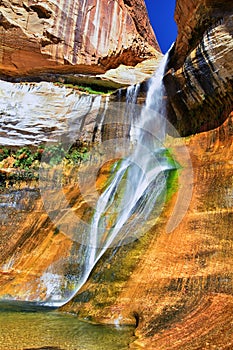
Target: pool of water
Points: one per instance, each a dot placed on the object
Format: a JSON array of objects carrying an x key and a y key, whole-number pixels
[{"x": 26, "y": 328}]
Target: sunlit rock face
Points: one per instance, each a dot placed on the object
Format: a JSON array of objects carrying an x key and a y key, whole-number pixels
[
  {"x": 76, "y": 35},
  {"x": 35, "y": 257},
  {"x": 32, "y": 114},
  {"x": 199, "y": 82},
  {"x": 177, "y": 287},
  {"x": 38, "y": 113}
]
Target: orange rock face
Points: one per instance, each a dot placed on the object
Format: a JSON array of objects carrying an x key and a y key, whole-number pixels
[
  {"x": 75, "y": 35},
  {"x": 176, "y": 288},
  {"x": 180, "y": 290}
]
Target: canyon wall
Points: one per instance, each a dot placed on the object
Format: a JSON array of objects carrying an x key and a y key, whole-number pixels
[
  {"x": 85, "y": 36},
  {"x": 199, "y": 80},
  {"x": 177, "y": 287}
]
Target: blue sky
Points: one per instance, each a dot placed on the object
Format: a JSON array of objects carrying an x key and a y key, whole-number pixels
[{"x": 161, "y": 13}]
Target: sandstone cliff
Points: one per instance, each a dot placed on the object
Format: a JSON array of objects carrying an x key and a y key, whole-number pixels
[
  {"x": 176, "y": 288},
  {"x": 180, "y": 293},
  {"x": 199, "y": 82},
  {"x": 87, "y": 36}
]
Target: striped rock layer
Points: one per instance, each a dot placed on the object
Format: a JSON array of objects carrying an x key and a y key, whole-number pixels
[
  {"x": 78, "y": 35},
  {"x": 199, "y": 82}
]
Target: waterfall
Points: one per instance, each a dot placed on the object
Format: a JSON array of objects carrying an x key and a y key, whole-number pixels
[
  {"x": 139, "y": 181},
  {"x": 133, "y": 199},
  {"x": 136, "y": 193}
]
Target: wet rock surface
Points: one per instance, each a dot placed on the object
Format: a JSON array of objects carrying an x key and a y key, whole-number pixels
[
  {"x": 175, "y": 288},
  {"x": 180, "y": 292}
]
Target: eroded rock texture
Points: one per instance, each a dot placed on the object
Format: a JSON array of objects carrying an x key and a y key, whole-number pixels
[
  {"x": 177, "y": 287},
  {"x": 193, "y": 19},
  {"x": 199, "y": 82},
  {"x": 40, "y": 113},
  {"x": 78, "y": 35}
]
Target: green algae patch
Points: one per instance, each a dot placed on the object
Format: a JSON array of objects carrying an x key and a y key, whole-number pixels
[
  {"x": 89, "y": 89},
  {"x": 172, "y": 183},
  {"x": 99, "y": 296}
]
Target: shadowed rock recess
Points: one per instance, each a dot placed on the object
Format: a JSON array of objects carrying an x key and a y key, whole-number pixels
[
  {"x": 199, "y": 82},
  {"x": 176, "y": 288}
]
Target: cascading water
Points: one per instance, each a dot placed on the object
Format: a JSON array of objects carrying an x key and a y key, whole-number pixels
[
  {"x": 138, "y": 182},
  {"x": 137, "y": 188},
  {"x": 131, "y": 202}
]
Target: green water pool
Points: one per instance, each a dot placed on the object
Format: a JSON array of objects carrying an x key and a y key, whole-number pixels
[{"x": 22, "y": 329}]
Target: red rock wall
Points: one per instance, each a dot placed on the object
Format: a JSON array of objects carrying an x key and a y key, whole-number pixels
[
  {"x": 80, "y": 35},
  {"x": 179, "y": 292}
]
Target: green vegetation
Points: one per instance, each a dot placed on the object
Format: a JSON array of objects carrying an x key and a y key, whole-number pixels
[
  {"x": 26, "y": 158},
  {"x": 22, "y": 164},
  {"x": 172, "y": 183},
  {"x": 167, "y": 153},
  {"x": 90, "y": 89},
  {"x": 76, "y": 155},
  {"x": 4, "y": 153}
]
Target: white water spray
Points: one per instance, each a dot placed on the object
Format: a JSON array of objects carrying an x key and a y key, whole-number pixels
[
  {"x": 137, "y": 188},
  {"x": 138, "y": 182},
  {"x": 134, "y": 198}
]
